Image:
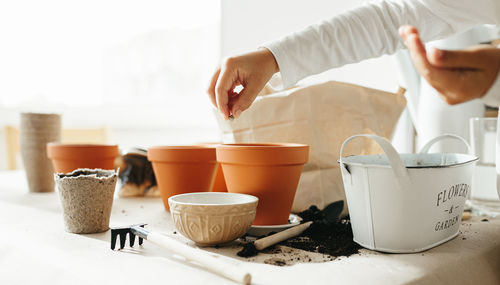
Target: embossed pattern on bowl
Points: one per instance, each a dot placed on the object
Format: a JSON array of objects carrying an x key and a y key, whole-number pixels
[{"x": 211, "y": 218}]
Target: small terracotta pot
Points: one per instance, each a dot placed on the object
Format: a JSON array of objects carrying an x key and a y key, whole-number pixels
[
  {"x": 68, "y": 157},
  {"x": 183, "y": 169},
  {"x": 269, "y": 171}
]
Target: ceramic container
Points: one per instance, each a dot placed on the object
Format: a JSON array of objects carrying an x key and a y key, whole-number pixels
[
  {"x": 213, "y": 218},
  {"x": 405, "y": 203},
  {"x": 68, "y": 157},
  {"x": 36, "y": 130},
  {"x": 269, "y": 171},
  {"x": 86, "y": 197},
  {"x": 183, "y": 169}
]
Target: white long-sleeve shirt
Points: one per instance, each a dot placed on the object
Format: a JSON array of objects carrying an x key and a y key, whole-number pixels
[{"x": 371, "y": 30}]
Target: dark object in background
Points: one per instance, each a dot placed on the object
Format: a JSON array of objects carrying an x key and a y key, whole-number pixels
[{"x": 136, "y": 175}]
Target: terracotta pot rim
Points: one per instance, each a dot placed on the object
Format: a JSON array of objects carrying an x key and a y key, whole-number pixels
[
  {"x": 64, "y": 151},
  {"x": 181, "y": 147},
  {"x": 79, "y": 145},
  {"x": 182, "y": 153},
  {"x": 270, "y": 154},
  {"x": 240, "y": 146},
  {"x": 246, "y": 199}
]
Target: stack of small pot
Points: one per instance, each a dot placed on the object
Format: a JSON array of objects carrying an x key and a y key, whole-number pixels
[
  {"x": 269, "y": 171},
  {"x": 84, "y": 173},
  {"x": 35, "y": 132}
]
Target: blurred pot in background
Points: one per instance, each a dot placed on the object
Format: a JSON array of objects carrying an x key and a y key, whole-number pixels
[{"x": 68, "y": 157}]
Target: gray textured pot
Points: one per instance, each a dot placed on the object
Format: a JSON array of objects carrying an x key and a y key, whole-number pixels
[
  {"x": 36, "y": 131},
  {"x": 86, "y": 197}
]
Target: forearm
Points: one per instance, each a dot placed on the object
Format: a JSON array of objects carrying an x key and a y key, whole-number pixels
[{"x": 371, "y": 31}]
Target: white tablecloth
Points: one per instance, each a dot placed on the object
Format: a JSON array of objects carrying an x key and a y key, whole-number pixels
[{"x": 35, "y": 249}]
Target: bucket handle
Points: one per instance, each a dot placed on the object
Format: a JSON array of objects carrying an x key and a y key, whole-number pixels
[
  {"x": 397, "y": 165},
  {"x": 429, "y": 144}
]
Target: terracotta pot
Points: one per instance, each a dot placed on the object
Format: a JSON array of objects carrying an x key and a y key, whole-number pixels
[
  {"x": 183, "y": 169},
  {"x": 269, "y": 171},
  {"x": 220, "y": 182},
  {"x": 68, "y": 157}
]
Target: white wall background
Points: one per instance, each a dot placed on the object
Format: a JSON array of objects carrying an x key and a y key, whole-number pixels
[
  {"x": 247, "y": 24},
  {"x": 139, "y": 115},
  {"x": 138, "y": 67}
]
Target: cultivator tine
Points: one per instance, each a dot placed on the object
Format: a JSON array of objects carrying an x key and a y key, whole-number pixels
[
  {"x": 122, "y": 233},
  {"x": 113, "y": 240},
  {"x": 123, "y": 239},
  {"x": 140, "y": 238},
  {"x": 132, "y": 239}
]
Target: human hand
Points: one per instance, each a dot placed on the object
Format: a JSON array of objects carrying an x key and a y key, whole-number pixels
[
  {"x": 458, "y": 76},
  {"x": 251, "y": 70}
]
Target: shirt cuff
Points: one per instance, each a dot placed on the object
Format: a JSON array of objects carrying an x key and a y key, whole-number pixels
[
  {"x": 288, "y": 76},
  {"x": 492, "y": 97}
]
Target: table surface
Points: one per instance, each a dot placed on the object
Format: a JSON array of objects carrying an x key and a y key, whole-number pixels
[{"x": 35, "y": 249}]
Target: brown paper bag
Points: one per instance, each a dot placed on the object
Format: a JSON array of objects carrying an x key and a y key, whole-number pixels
[{"x": 322, "y": 116}]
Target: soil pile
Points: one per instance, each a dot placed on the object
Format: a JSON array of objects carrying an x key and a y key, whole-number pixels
[
  {"x": 327, "y": 234},
  {"x": 332, "y": 238}
]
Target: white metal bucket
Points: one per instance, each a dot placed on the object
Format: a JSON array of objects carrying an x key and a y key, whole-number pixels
[{"x": 406, "y": 202}]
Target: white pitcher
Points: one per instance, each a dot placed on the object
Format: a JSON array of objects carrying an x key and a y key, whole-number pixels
[{"x": 430, "y": 114}]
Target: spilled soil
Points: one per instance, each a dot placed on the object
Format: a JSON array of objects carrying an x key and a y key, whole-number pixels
[
  {"x": 327, "y": 235},
  {"x": 324, "y": 235}
]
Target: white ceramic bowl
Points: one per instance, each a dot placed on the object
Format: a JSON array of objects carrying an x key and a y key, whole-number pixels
[{"x": 210, "y": 218}]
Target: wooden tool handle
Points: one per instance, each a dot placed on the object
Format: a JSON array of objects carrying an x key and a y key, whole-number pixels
[
  {"x": 211, "y": 262},
  {"x": 262, "y": 243}
]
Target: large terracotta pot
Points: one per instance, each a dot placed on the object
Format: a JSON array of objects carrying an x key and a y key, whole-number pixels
[
  {"x": 183, "y": 169},
  {"x": 68, "y": 157},
  {"x": 269, "y": 171}
]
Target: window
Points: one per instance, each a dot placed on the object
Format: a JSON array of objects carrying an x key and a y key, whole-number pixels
[{"x": 150, "y": 58}]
